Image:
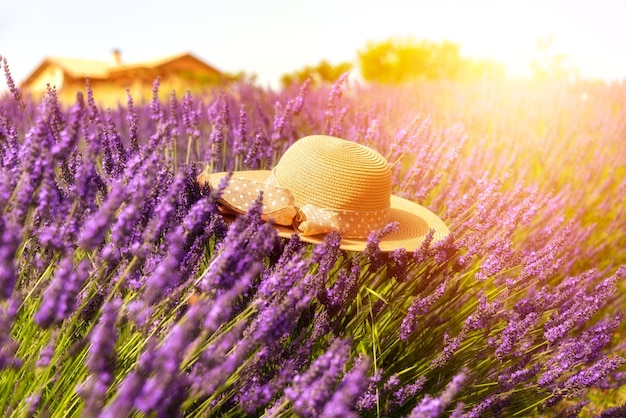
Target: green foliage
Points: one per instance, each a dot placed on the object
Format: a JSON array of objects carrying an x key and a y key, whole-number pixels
[
  {"x": 398, "y": 61},
  {"x": 549, "y": 64},
  {"x": 322, "y": 72}
]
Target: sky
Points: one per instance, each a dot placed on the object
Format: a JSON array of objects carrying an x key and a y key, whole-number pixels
[{"x": 274, "y": 37}]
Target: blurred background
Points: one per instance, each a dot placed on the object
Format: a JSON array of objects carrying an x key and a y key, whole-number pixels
[{"x": 277, "y": 42}]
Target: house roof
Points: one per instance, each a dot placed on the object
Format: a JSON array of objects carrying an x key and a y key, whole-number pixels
[{"x": 80, "y": 68}]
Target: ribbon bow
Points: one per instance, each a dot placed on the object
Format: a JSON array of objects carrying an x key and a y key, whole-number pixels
[{"x": 278, "y": 206}]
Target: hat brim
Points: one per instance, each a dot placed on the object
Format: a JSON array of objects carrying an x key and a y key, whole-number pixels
[{"x": 414, "y": 221}]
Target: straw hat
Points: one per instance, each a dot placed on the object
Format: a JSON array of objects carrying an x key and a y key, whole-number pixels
[{"x": 323, "y": 183}]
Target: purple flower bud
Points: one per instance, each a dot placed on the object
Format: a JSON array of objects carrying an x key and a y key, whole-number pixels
[
  {"x": 132, "y": 120},
  {"x": 47, "y": 352},
  {"x": 372, "y": 250},
  {"x": 155, "y": 103},
  {"x": 166, "y": 275},
  {"x": 15, "y": 92},
  {"x": 483, "y": 315},
  {"x": 10, "y": 239},
  {"x": 190, "y": 116},
  {"x": 8, "y": 346},
  {"x": 492, "y": 403},
  {"x": 131, "y": 387},
  {"x": 430, "y": 407},
  {"x": 311, "y": 390},
  {"x": 101, "y": 360},
  {"x": 450, "y": 345},
  {"x": 60, "y": 297},
  {"x": 406, "y": 392},
  {"x": 352, "y": 385},
  {"x": 333, "y": 99},
  {"x": 299, "y": 101},
  {"x": 419, "y": 307}
]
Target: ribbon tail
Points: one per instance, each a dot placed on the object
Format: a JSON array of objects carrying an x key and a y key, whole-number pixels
[{"x": 311, "y": 220}]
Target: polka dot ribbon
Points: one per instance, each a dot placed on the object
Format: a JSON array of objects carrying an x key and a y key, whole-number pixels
[{"x": 279, "y": 207}]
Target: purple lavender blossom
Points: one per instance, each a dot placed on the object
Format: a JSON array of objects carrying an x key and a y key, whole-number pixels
[
  {"x": 132, "y": 120},
  {"x": 255, "y": 155},
  {"x": 511, "y": 378},
  {"x": 8, "y": 346},
  {"x": 586, "y": 378},
  {"x": 584, "y": 306},
  {"x": 418, "y": 307},
  {"x": 278, "y": 316},
  {"x": 219, "y": 116},
  {"x": 60, "y": 297},
  {"x": 190, "y": 117},
  {"x": 155, "y": 103},
  {"x": 101, "y": 360},
  {"x": 15, "y": 92},
  {"x": 583, "y": 348},
  {"x": 132, "y": 386},
  {"x": 163, "y": 392},
  {"x": 68, "y": 137},
  {"x": 399, "y": 265},
  {"x": 115, "y": 155},
  {"x": 47, "y": 352},
  {"x": 281, "y": 116},
  {"x": 291, "y": 267},
  {"x": 173, "y": 116},
  {"x": 372, "y": 250},
  {"x": 311, "y": 390},
  {"x": 432, "y": 407},
  {"x": 221, "y": 308},
  {"x": 299, "y": 100},
  {"x": 9, "y": 144},
  {"x": 490, "y": 403},
  {"x": 97, "y": 225},
  {"x": 422, "y": 253},
  {"x": 369, "y": 396},
  {"x": 333, "y": 98},
  {"x": 94, "y": 113},
  {"x": 459, "y": 410},
  {"x": 248, "y": 240},
  {"x": 615, "y": 412},
  {"x": 10, "y": 239},
  {"x": 402, "y": 394},
  {"x": 220, "y": 359},
  {"x": 498, "y": 258},
  {"x": 352, "y": 385},
  {"x": 167, "y": 274},
  {"x": 483, "y": 315},
  {"x": 241, "y": 136},
  {"x": 345, "y": 289},
  {"x": 516, "y": 329},
  {"x": 450, "y": 346}
]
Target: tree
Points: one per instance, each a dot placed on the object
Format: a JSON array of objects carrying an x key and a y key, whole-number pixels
[
  {"x": 397, "y": 61},
  {"x": 322, "y": 72},
  {"x": 550, "y": 65}
]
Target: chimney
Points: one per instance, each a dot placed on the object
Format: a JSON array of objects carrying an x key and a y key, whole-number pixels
[{"x": 117, "y": 57}]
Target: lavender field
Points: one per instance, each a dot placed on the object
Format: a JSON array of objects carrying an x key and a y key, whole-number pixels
[{"x": 123, "y": 291}]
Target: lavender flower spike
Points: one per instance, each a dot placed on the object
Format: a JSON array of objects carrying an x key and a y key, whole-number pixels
[
  {"x": 433, "y": 407},
  {"x": 311, "y": 390},
  {"x": 352, "y": 386},
  {"x": 15, "y": 92},
  {"x": 10, "y": 238},
  {"x": 101, "y": 360},
  {"x": 59, "y": 299}
]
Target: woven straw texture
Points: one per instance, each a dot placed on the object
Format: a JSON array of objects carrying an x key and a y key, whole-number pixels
[{"x": 333, "y": 173}]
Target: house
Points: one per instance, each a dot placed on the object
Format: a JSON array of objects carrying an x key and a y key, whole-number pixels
[{"x": 111, "y": 79}]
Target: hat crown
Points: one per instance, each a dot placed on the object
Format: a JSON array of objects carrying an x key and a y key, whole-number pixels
[{"x": 334, "y": 173}]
